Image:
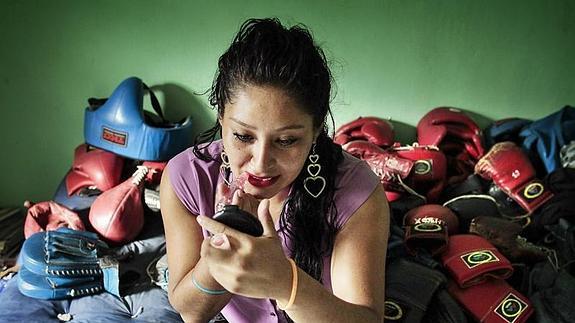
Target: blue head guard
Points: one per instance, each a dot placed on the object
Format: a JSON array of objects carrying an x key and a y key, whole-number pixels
[{"x": 120, "y": 125}]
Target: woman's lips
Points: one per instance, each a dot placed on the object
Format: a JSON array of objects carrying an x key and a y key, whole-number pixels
[{"x": 261, "y": 181}]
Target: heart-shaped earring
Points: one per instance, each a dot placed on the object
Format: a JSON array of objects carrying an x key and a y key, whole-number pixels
[
  {"x": 314, "y": 184},
  {"x": 225, "y": 168}
]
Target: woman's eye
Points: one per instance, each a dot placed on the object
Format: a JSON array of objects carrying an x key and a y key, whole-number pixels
[
  {"x": 287, "y": 142},
  {"x": 243, "y": 138}
]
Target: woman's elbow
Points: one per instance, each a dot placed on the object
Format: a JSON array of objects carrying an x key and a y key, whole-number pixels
[{"x": 175, "y": 301}]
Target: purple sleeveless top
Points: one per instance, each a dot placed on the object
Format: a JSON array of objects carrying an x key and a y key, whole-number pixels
[{"x": 194, "y": 181}]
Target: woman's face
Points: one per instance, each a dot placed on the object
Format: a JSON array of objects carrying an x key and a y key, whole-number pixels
[{"x": 267, "y": 135}]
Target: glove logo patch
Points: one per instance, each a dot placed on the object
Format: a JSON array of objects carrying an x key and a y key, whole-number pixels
[
  {"x": 115, "y": 137},
  {"x": 478, "y": 257},
  {"x": 533, "y": 190},
  {"x": 427, "y": 227},
  {"x": 422, "y": 167},
  {"x": 510, "y": 308},
  {"x": 392, "y": 311}
]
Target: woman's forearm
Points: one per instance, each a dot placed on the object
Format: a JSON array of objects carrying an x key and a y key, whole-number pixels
[
  {"x": 314, "y": 303},
  {"x": 193, "y": 304}
]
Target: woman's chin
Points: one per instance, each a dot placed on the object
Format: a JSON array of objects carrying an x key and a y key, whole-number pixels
[{"x": 261, "y": 193}]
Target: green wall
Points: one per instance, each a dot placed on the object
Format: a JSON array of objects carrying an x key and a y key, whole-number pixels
[{"x": 390, "y": 58}]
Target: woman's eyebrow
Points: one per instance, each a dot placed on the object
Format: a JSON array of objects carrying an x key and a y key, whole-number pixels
[{"x": 289, "y": 127}]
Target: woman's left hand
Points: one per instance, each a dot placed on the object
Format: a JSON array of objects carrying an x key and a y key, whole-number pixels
[{"x": 246, "y": 265}]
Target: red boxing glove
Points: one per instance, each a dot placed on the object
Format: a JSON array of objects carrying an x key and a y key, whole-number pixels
[
  {"x": 156, "y": 168},
  {"x": 471, "y": 259},
  {"x": 428, "y": 176},
  {"x": 444, "y": 123},
  {"x": 48, "y": 216},
  {"x": 387, "y": 165},
  {"x": 118, "y": 214},
  {"x": 373, "y": 129},
  {"x": 493, "y": 301},
  {"x": 94, "y": 167},
  {"x": 428, "y": 227},
  {"x": 511, "y": 170},
  {"x": 363, "y": 149}
]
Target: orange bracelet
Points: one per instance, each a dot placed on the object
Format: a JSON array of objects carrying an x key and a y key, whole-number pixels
[{"x": 293, "y": 285}]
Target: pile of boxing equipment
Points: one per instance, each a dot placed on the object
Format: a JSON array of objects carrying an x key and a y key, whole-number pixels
[
  {"x": 482, "y": 219},
  {"x": 103, "y": 200}
]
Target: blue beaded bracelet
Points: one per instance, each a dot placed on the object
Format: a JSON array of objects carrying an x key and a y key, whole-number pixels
[{"x": 207, "y": 290}]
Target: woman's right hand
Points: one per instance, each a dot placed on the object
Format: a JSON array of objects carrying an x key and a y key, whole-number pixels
[{"x": 246, "y": 265}]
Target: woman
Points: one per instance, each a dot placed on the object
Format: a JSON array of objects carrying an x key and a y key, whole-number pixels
[{"x": 321, "y": 257}]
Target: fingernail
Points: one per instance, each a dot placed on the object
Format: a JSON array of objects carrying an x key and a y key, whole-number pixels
[
  {"x": 200, "y": 219},
  {"x": 217, "y": 240}
]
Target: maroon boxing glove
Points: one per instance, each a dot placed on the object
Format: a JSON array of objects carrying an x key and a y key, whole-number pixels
[
  {"x": 456, "y": 135},
  {"x": 156, "y": 169},
  {"x": 470, "y": 259},
  {"x": 363, "y": 149},
  {"x": 94, "y": 167},
  {"x": 118, "y": 214},
  {"x": 428, "y": 227},
  {"x": 493, "y": 301},
  {"x": 373, "y": 129},
  {"x": 387, "y": 165},
  {"x": 445, "y": 123},
  {"x": 49, "y": 216},
  {"x": 428, "y": 176},
  {"x": 511, "y": 170}
]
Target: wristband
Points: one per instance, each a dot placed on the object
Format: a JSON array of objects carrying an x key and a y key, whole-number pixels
[
  {"x": 207, "y": 290},
  {"x": 293, "y": 285}
]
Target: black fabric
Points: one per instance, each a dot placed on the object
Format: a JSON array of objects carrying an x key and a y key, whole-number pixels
[
  {"x": 562, "y": 183},
  {"x": 409, "y": 289},
  {"x": 11, "y": 233},
  {"x": 563, "y": 236},
  {"x": 443, "y": 308},
  {"x": 395, "y": 245},
  {"x": 555, "y": 303},
  {"x": 504, "y": 130}
]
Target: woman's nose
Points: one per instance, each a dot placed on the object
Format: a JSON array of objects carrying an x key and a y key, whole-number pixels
[{"x": 262, "y": 158}]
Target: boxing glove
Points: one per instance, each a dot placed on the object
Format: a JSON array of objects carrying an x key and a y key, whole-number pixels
[
  {"x": 468, "y": 207},
  {"x": 373, "y": 129},
  {"x": 428, "y": 175},
  {"x": 428, "y": 227},
  {"x": 471, "y": 259},
  {"x": 510, "y": 169},
  {"x": 155, "y": 172},
  {"x": 94, "y": 167},
  {"x": 504, "y": 235},
  {"x": 444, "y": 123},
  {"x": 387, "y": 165},
  {"x": 409, "y": 288},
  {"x": 49, "y": 216},
  {"x": 443, "y": 308},
  {"x": 493, "y": 301}
]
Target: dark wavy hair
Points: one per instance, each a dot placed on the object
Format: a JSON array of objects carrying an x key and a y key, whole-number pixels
[{"x": 264, "y": 52}]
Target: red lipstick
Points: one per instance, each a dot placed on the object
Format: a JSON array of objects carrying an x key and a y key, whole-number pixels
[{"x": 261, "y": 182}]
